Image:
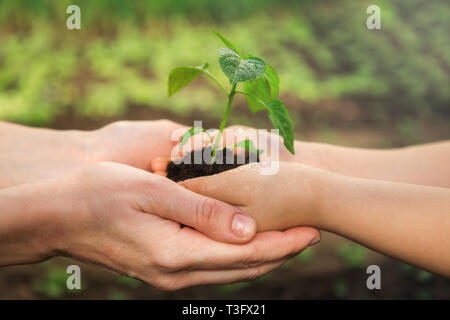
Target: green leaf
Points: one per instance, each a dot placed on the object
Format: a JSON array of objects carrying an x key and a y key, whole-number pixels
[
  {"x": 265, "y": 88},
  {"x": 279, "y": 116},
  {"x": 240, "y": 70},
  {"x": 227, "y": 42},
  {"x": 188, "y": 134},
  {"x": 182, "y": 76},
  {"x": 273, "y": 81},
  {"x": 249, "y": 146},
  {"x": 257, "y": 90}
]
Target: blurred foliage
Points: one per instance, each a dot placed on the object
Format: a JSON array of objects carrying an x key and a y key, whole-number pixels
[
  {"x": 340, "y": 288},
  {"x": 231, "y": 288},
  {"x": 228, "y": 289},
  {"x": 117, "y": 295},
  {"x": 306, "y": 256},
  {"x": 53, "y": 284},
  {"x": 422, "y": 278},
  {"x": 128, "y": 282},
  {"x": 416, "y": 274},
  {"x": 352, "y": 254},
  {"x": 321, "y": 49}
]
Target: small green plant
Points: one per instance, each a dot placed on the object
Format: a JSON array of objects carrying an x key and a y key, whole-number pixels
[{"x": 260, "y": 84}]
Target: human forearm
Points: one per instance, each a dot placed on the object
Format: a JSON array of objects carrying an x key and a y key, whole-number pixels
[
  {"x": 28, "y": 222},
  {"x": 30, "y": 154},
  {"x": 424, "y": 164},
  {"x": 111, "y": 214},
  {"x": 408, "y": 222}
]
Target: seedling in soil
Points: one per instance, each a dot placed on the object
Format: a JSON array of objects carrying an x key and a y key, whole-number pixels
[{"x": 260, "y": 86}]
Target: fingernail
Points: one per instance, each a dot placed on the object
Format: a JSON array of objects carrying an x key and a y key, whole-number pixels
[
  {"x": 242, "y": 225},
  {"x": 315, "y": 241}
]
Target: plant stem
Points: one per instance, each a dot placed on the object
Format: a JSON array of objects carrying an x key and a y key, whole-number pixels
[
  {"x": 224, "y": 121},
  {"x": 213, "y": 77}
]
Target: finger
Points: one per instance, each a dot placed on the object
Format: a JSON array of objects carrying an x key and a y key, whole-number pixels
[
  {"x": 238, "y": 127},
  {"x": 185, "y": 279},
  {"x": 159, "y": 164},
  {"x": 265, "y": 247},
  {"x": 232, "y": 186},
  {"x": 214, "y": 218},
  {"x": 196, "y": 142},
  {"x": 161, "y": 173}
]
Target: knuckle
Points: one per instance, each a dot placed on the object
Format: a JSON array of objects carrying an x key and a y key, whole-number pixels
[
  {"x": 103, "y": 165},
  {"x": 255, "y": 272},
  {"x": 165, "y": 122},
  {"x": 121, "y": 123},
  {"x": 206, "y": 212},
  {"x": 169, "y": 262},
  {"x": 148, "y": 186},
  {"x": 167, "y": 283},
  {"x": 253, "y": 256},
  {"x": 116, "y": 125},
  {"x": 151, "y": 191},
  {"x": 90, "y": 175},
  {"x": 165, "y": 262}
]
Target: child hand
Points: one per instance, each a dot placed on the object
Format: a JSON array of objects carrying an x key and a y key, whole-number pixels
[{"x": 286, "y": 199}]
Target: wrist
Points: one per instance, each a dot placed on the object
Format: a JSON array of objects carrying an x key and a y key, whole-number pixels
[
  {"x": 311, "y": 154},
  {"x": 331, "y": 189},
  {"x": 28, "y": 222},
  {"x": 307, "y": 188},
  {"x": 32, "y": 154},
  {"x": 82, "y": 145}
]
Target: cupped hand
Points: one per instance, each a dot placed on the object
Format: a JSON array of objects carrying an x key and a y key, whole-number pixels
[
  {"x": 288, "y": 198},
  {"x": 135, "y": 143},
  {"x": 31, "y": 154},
  {"x": 124, "y": 218}
]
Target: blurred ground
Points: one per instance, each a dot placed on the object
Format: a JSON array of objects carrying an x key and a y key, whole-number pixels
[
  {"x": 341, "y": 83},
  {"x": 334, "y": 269}
]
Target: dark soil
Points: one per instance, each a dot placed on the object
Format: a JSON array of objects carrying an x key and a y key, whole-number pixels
[{"x": 187, "y": 169}]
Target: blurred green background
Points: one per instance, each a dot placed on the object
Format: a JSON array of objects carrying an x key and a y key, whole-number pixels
[{"x": 341, "y": 82}]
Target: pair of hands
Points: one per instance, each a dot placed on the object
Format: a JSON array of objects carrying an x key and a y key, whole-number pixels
[
  {"x": 119, "y": 215},
  {"x": 271, "y": 197}
]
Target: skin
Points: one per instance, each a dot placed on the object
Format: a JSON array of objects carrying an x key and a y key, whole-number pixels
[
  {"x": 404, "y": 220},
  {"x": 31, "y": 154},
  {"x": 58, "y": 196},
  {"x": 425, "y": 164},
  {"x": 121, "y": 228},
  {"x": 411, "y": 164}
]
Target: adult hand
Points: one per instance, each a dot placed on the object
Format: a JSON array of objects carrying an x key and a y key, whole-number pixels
[
  {"x": 122, "y": 218},
  {"x": 135, "y": 143},
  {"x": 30, "y": 154}
]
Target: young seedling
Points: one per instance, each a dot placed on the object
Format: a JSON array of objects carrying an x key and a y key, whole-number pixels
[{"x": 260, "y": 85}]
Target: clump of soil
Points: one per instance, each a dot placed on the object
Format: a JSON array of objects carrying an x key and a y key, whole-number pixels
[{"x": 187, "y": 169}]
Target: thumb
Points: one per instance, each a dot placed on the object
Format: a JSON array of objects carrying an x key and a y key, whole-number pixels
[{"x": 216, "y": 219}]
